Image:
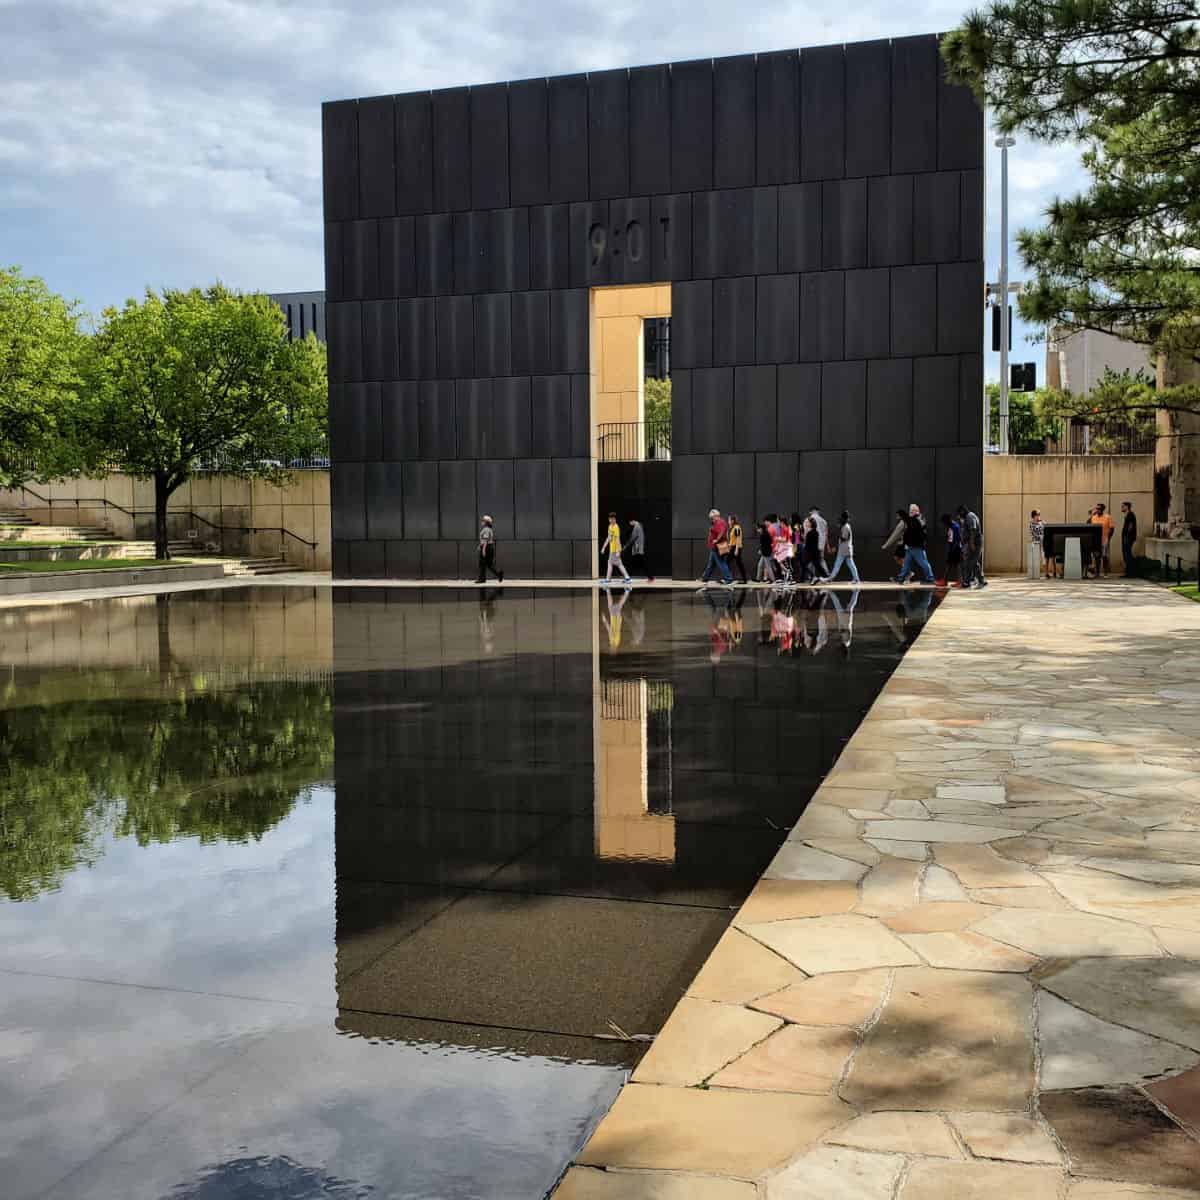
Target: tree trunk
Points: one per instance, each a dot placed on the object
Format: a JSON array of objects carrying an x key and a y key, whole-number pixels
[
  {"x": 162, "y": 605},
  {"x": 162, "y": 493}
]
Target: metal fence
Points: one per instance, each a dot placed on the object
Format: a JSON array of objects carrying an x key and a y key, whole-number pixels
[
  {"x": 633, "y": 441},
  {"x": 215, "y": 467},
  {"x": 1031, "y": 435}
]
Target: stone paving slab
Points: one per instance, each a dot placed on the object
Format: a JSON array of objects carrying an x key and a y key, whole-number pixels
[{"x": 982, "y": 939}]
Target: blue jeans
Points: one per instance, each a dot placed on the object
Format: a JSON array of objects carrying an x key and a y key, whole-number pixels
[
  {"x": 715, "y": 559},
  {"x": 915, "y": 560},
  {"x": 848, "y": 559}
]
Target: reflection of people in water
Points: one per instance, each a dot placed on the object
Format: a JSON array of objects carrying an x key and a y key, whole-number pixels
[
  {"x": 813, "y": 642},
  {"x": 913, "y": 611},
  {"x": 487, "y": 621},
  {"x": 726, "y": 624},
  {"x": 783, "y": 625},
  {"x": 785, "y": 621},
  {"x": 614, "y": 620},
  {"x": 821, "y": 603},
  {"x": 636, "y": 617},
  {"x": 845, "y": 618}
]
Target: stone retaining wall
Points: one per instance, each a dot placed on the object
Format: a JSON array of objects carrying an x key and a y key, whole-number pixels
[
  {"x": 302, "y": 507},
  {"x": 1063, "y": 487},
  {"x": 64, "y": 581}
]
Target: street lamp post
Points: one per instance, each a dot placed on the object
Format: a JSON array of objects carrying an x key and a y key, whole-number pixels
[{"x": 1004, "y": 142}]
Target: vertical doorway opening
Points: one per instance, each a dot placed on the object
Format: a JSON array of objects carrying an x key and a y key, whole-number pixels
[{"x": 631, "y": 416}]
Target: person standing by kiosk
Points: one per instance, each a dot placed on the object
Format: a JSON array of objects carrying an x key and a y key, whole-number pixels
[
  {"x": 1128, "y": 538},
  {"x": 1100, "y": 517}
]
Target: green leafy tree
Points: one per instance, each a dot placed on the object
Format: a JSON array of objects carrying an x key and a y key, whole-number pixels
[
  {"x": 40, "y": 350},
  {"x": 1033, "y": 419},
  {"x": 194, "y": 378},
  {"x": 1119, "y": 411},
  {"x": 191, "y": 761},
  {"x": 657, "y": 398},
  {"x": 1121, "y": 407},
  {"x": 1121, "y": 78},
  {"x": 658, "y": 402}
]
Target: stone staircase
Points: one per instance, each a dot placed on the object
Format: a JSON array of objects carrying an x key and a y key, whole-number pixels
[
  {"x": 233, "y": 566},
  {"x": 259, "y": 566},
  {"x": 16, "y": 527}
]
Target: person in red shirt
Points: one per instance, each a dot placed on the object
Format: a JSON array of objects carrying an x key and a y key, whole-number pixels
[{"x": 718, "y": 547}]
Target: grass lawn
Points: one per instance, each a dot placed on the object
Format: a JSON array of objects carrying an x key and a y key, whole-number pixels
[
  {"x": 85, "y": 564},
  {"x": 1190, "y": 590}
]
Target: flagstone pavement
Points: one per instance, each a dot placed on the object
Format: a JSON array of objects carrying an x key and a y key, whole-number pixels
[{"x": 973, "y": 970}]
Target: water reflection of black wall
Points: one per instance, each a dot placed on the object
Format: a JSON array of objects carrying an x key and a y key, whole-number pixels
[{"x": 537, "y": 833}]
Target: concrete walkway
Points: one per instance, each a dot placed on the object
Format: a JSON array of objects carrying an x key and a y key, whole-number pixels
[{"x": 973, "y": 970}]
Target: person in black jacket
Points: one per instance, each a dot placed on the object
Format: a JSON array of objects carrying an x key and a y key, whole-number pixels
[
  {"x": 1128, "y": 537},
  {"x": 915, "y": 541}
]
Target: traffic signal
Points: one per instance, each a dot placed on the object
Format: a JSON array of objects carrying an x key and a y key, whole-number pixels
[
  {"x": 1022, "y": 377},
  {"x": 996, "y": 327}
]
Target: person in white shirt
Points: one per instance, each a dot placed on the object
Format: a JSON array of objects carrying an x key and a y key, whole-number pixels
[
  {"x": 845, "y": 549},
  {"x": 814, "y": 515}
]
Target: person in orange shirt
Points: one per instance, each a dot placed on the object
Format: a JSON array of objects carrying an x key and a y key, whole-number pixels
[{"x": 1100, "y": 517}]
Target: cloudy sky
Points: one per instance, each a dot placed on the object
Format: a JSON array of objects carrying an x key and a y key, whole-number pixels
[{"x": 172, "y": 142}]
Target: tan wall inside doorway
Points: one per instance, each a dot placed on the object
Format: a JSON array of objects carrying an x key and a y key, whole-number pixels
[{"x": 617, "y": 315}]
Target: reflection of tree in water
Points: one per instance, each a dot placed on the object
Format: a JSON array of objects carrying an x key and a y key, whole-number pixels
[
  {"x": 188, "y": 762},
  {"x": 261, "y": 1177}
]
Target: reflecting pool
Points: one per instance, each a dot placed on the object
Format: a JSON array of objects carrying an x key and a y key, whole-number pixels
[{"x": 380, "y": 892}]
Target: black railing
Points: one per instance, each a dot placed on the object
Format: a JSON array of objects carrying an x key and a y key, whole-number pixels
[
  {"x": 1030, "y": 435},
  {"x": 91, "y": 502},
  {"x": 633, "y": 441}
]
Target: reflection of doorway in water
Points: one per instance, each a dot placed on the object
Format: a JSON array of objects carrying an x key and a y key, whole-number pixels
[
  {"x": 633, "y": 814},
  {"x": 631, "y": 368}
]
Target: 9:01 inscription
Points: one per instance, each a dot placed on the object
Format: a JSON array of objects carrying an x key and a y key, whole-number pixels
[{"x": 630, "y": 241}]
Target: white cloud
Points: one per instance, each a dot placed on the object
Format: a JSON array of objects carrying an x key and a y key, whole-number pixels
[{"x": 163, "y": 143}]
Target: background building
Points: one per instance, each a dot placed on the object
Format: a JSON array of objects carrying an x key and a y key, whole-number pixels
[
  {"x": 305, "y": 313},
  {"x": 1076, "y": 361},
  {"x": 817, "y": 217}
]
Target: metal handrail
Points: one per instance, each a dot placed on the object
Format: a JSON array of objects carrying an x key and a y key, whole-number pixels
[
  {"x": 1027, "y": 435},
  {"x": 133, "y": 513},
  {"x": 633, "y": 441}
]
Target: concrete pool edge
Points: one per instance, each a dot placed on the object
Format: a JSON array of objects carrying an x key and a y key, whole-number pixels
[
  {"x": 841, "y": 1028},
  {"x": 312, "y": 579}
]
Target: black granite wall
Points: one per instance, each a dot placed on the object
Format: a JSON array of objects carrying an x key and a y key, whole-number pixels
[{"x": 820, "y": 214}]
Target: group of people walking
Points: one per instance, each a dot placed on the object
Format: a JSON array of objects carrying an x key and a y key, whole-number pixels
[
  {"x": 963, "y": 533},
  {"x": 792, "y": 550}
]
